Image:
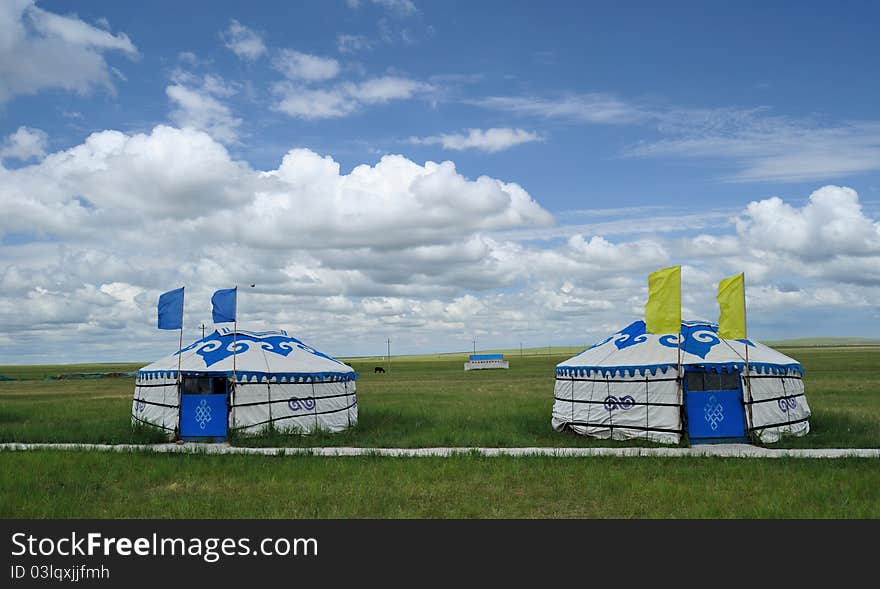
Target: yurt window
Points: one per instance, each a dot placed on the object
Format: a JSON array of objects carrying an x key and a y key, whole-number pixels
[
  {"x": 712, "y": 381},
  {"x": 204, "y": 386}
]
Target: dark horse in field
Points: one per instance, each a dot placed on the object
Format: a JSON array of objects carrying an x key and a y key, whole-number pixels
[{"x": 379, "y": 369}]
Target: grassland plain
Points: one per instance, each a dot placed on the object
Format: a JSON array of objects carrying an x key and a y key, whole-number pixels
[
  {"x": 49, "y": 484},
  {"x": 431, "y": 402}
]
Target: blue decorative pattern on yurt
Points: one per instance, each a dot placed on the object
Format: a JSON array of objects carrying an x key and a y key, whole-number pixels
[
  {"x": 631, "y": 371},
  {"x": 612, "y": 371},
  {"x": 632, "y": 335},
  {"x": 219, "y": 346},
  {"x": 248, "y": 376},
  {"x": 697, "y": 338}
]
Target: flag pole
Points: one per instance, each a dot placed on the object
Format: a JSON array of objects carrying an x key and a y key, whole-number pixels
[
  {"x": 180, "y": 343},
  {"x": 234, "y": 329},
  {"x": 234, "y": 334},
  {"x": 680, "y": 338},
  {"x": 679, "y": 352},
  {"x": 179, "y": 357},
  {"x": 679, "y": 373},
  {"x": 179, "y": 348},
  {"x": 748, "y": 370}
]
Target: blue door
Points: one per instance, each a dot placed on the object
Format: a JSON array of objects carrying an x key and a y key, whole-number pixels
[
  {"x": 203, "y": 409},
  {"x": 714, "y": 407}
]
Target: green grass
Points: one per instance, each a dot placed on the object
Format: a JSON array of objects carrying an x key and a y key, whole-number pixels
[
  {"x": 562, "y": 352},
  {"x": 436, "y": 403},
  {"x": 842, "y": 386},
  {"x": 431, "y": 402},
  {"x": 49, "y": 484},
  {"x": 43, "y": 371},
  {"x": 813, "y": 342},
  {"x": 92, "y": 410}
]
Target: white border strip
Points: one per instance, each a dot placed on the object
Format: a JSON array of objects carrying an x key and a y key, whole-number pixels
[{"x": 715, "y": 450}]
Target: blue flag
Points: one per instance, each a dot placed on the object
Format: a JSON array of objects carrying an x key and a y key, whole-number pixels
[
  {"x": 223, "y": 305},
  {"x": 171, "y": 309}
]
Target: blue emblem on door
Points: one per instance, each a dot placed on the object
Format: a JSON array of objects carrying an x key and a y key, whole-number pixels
[
  {"x": 714, "y": 406},
  {"x": 202, "y": 416}
]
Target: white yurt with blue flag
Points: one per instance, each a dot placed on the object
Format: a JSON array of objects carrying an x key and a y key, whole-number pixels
[
  {"x": 627, "y": 387},
  {"x": 245, "y": 381}
]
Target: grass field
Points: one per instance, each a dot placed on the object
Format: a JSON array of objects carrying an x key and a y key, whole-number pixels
[
  {"x": 431, "y": 402},
  {"x": 100, "y": 485}
]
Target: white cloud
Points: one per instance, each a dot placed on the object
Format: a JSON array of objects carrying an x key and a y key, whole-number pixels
[
  {"x": 128, "y": 215},
  {"x": 189, "y": 58},
  {"x": 385, "y": 89},
  {"x": 303, "y": 66},
  {"x": 24, "y": 144},
  {"x": 168, "y": 174},
  {"x": 600, "y": 253},
  {"x": 392, "y": 204},
  {"x": 306, "y": 203},
  {"x": 197, "y": 108},
  {"x": 123, "y": 292},
  {"x": 41, "y": 50},
  {"x": 344, "y": 99},
  {"x": 307, "y": 103},
  {"x": 489, "y": 140},
  {"x": 394, "y": 248},
  {"x": 352, "y": 43},
  {"x": 76, "y": 32},
  {"x": 764, "y": 147},
  {"x": 593, "y": 108},
  {"x": 625, "y": 224},
  {"x": 401, "y": 8},
  {"x": 830, "y": 224},
  {"x": 761, "y": 147},
  {"x": 772, "y": 298},
  {"x": 243, "y": 41},
  {"x": 207, "y": 83}
]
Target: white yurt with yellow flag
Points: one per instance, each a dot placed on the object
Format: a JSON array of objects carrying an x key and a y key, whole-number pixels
[
  {"x": 627, "y": 387},
  {"x": 663, "y": 379}
]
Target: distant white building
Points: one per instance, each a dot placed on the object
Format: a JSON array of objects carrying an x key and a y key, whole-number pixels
[{"x": 483, "y": 361}]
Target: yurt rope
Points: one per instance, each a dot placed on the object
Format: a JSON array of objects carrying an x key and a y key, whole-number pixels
[
  {"x": 268, "y": 385},
  {"x": 787, "y": 415},
  {"x": 610, "y": 412},
  {"x": 348, "y": 410},
  {"x": 316, "y": 405}
]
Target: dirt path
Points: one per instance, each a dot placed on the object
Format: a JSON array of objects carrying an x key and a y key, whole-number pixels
[{"x": 719, "y": 450}]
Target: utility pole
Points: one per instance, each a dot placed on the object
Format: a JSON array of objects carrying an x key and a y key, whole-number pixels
[
  {"x": 388, "y": 341},
  {"x": 203, "y": 330},
  {"x": 475, "y": 345},
  {"x": 520, "y": 349}
]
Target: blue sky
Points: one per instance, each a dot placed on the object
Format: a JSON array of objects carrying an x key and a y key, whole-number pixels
[{"x": 432, "y": 171}]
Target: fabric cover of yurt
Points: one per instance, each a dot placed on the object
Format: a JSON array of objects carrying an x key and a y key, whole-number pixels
[
  {"x": 626, "y": 385},
  {"x": 278, "y": 380}
]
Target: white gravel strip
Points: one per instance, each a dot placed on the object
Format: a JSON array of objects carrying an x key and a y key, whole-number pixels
[{"x": 719, "y": 450}]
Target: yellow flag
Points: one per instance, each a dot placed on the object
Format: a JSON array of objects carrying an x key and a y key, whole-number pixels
[
  {"x": 663, "y": 310},
  {"x": 732, "y": 300}
]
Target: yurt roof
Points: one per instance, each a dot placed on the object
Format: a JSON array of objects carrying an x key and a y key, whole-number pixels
[
  {"x": 271, "y": 356},
  {"x": 633, "y": 351}
]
